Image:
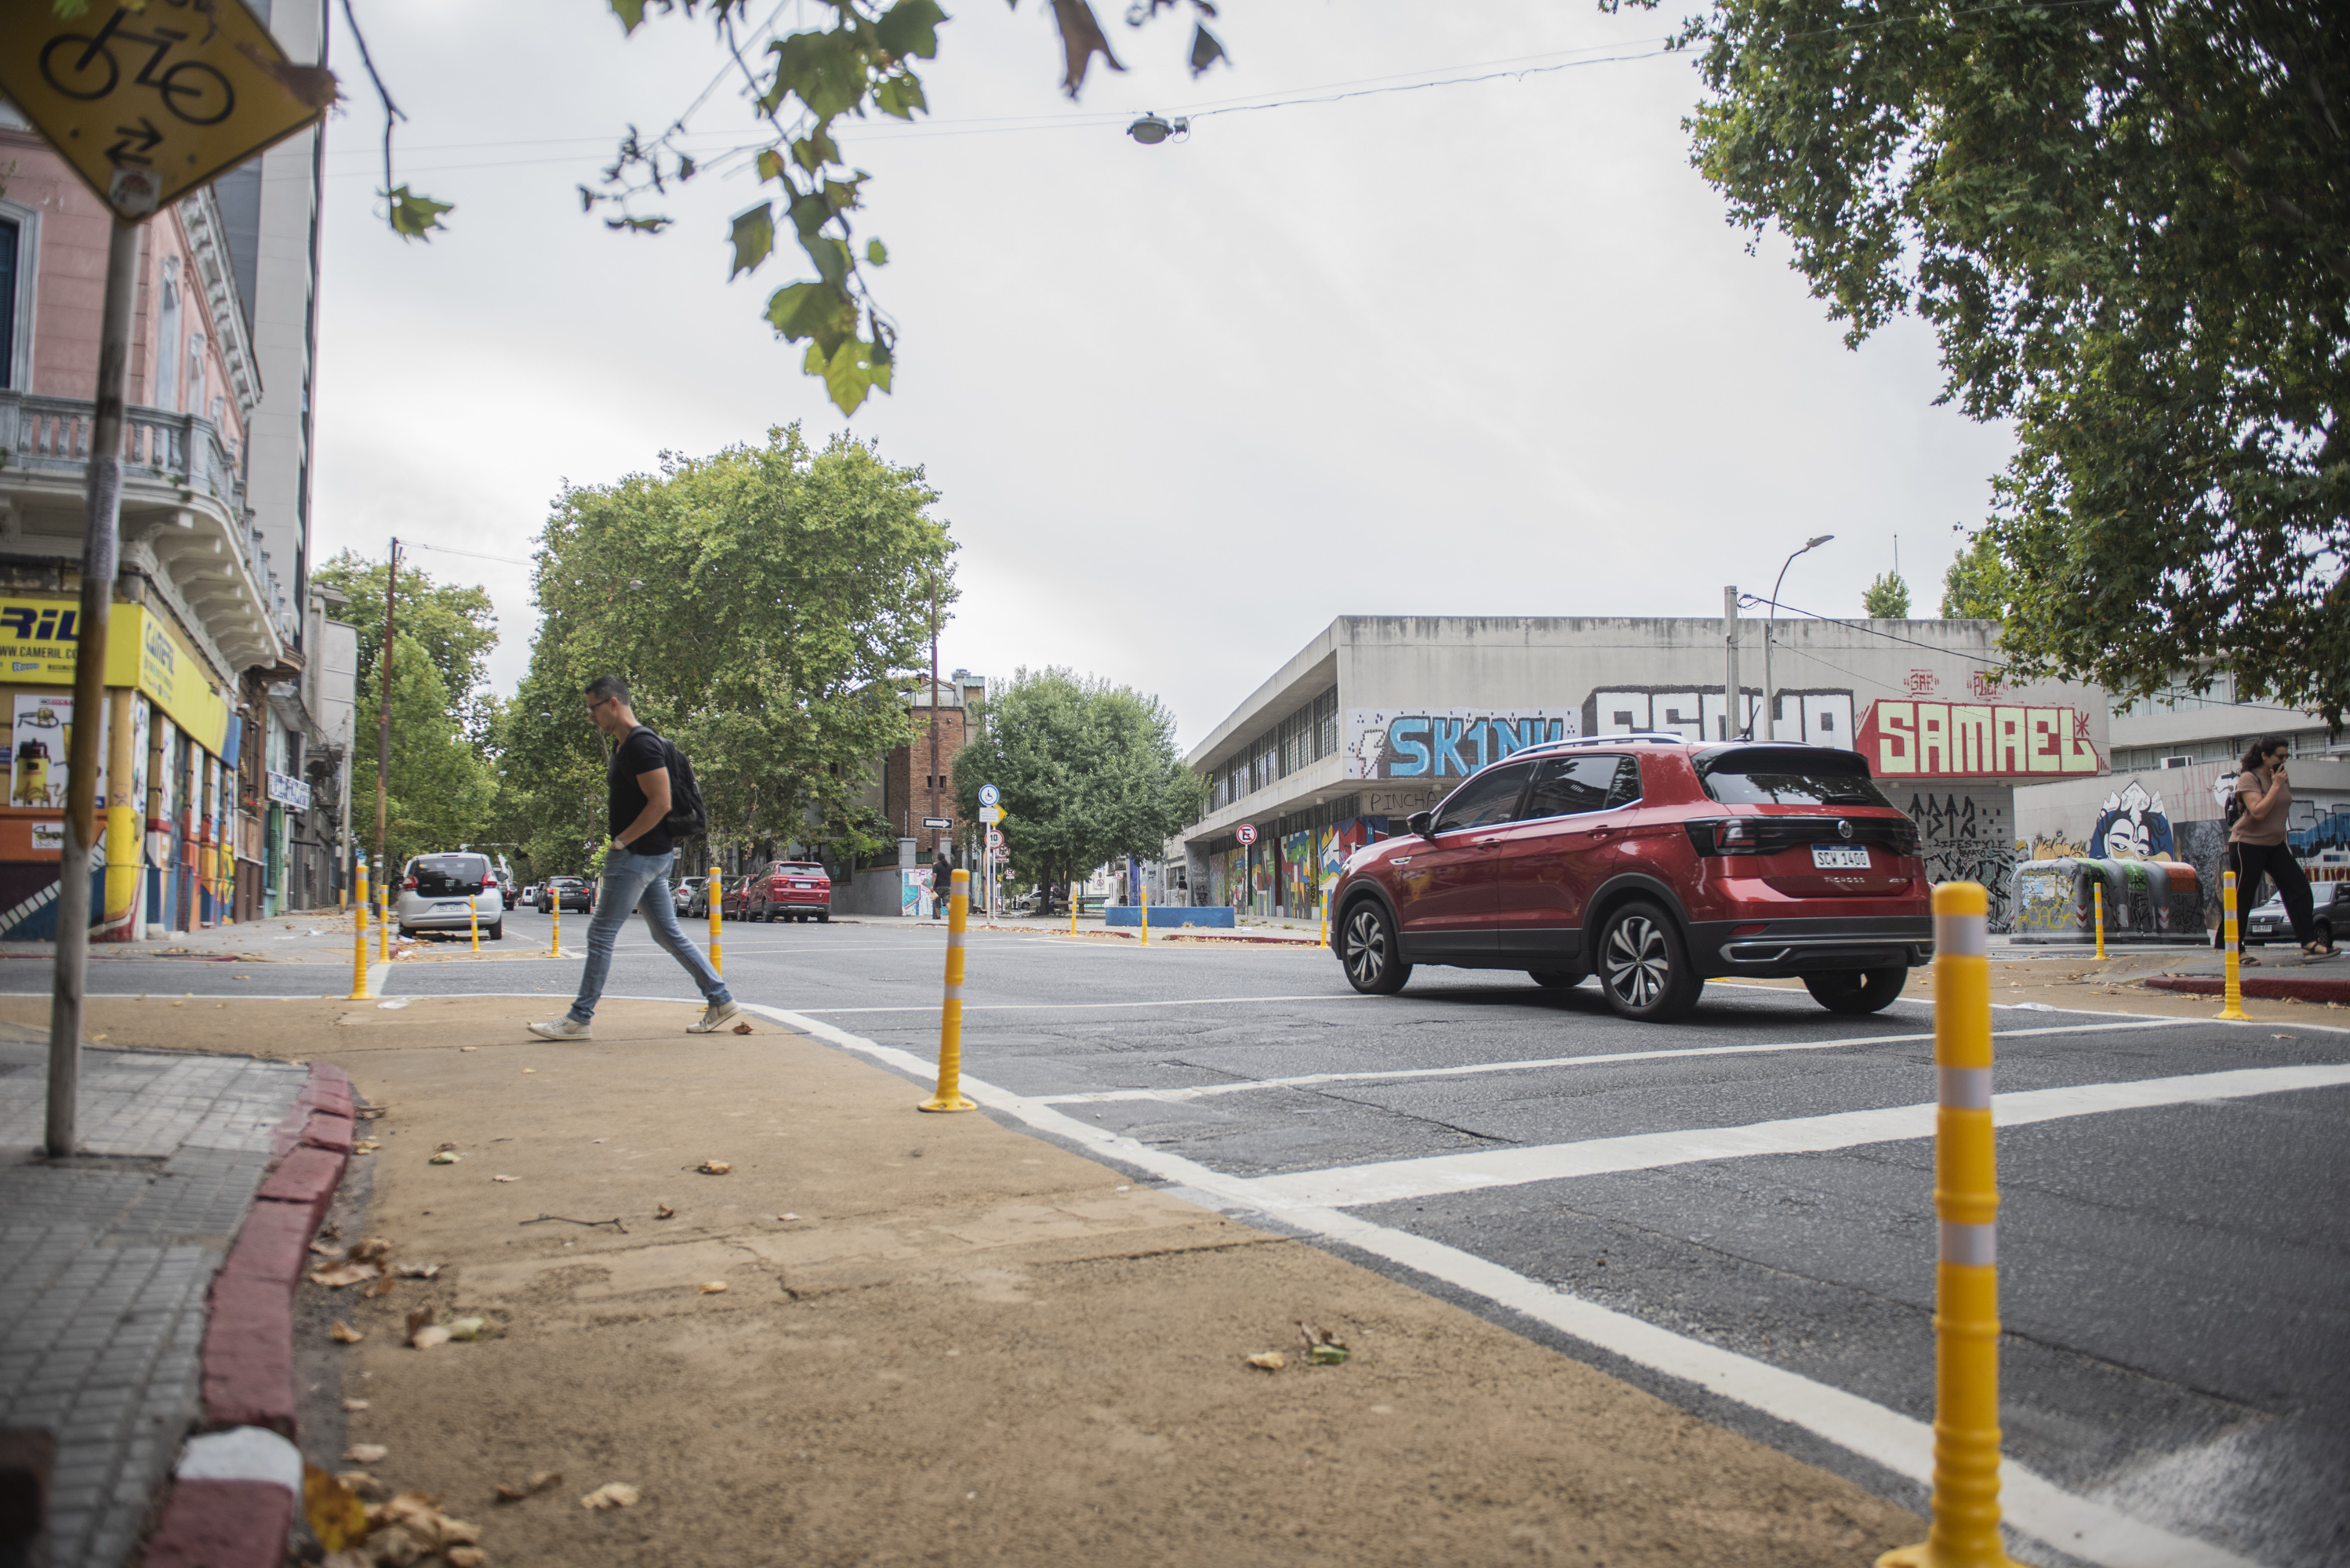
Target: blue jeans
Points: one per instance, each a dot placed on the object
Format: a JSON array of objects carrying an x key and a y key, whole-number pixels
[{"x": 638, "y": 882}]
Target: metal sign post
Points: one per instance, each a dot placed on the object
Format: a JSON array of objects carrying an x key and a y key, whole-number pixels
[{"x": 145, "y": 111}]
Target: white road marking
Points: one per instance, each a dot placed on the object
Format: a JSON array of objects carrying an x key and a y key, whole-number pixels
[
  {"x": 1398, "y": 1075},
  {"x": 1095, "y": 1006},
  {"x": 1388, "y": 1182},
  {"x": 2090, "y": 1531}
]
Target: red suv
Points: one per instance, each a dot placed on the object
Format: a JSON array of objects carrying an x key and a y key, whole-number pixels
[
  {"x": 790, "y": 890},
  {"x": 1657, "y": 863}
]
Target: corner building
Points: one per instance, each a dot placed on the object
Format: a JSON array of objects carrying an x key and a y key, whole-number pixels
[{"x": 1382, "y": 716}]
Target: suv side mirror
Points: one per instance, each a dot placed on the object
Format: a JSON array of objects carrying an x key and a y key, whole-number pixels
[{"x": 1419, "y": 822}]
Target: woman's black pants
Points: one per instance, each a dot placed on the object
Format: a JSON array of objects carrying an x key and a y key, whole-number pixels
[{"x": 2275, "y": 861}]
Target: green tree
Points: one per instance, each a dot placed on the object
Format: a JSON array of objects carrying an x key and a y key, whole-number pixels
[
  {"x": 454, "y": 624},
  {"x": 439, "y": 785},
  {"x": 764, "y": 606},
  {"x": 1887, "y": 598},
  {"x": 1977, "y": 586},
  {"x": 1088, "y": 772},
  {"x": 2129, "y": 226}
]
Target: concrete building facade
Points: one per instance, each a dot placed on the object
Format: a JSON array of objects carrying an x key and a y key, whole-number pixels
[
  {"x": 1380, "y": 716},
  {"x": 212, "y": 724}
]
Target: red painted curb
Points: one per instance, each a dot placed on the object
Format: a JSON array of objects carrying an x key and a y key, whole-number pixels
[
  {"x": 328, "y": 1131},
  {"x": 221, "y": 1524},
  {"x": 272, "y": 1246},
  {"x": 307, "y": 1176},
  {"x": 2269, "y": 987},
  {"x": 248, "y": 1356}
]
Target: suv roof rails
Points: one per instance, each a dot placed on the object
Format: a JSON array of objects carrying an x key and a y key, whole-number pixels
[{"x": 1653, "y": 737}]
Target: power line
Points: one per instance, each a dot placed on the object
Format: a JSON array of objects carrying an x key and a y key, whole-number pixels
[
  {"x": 1745, "y": 599},
  {"x": 476, "y": 555}
]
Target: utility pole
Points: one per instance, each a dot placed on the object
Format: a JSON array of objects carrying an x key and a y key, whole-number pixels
[
  {"x": 383, "y": 719},
  {"x": 1731, "y": 729},
  {"x": 101, "y": 548},
  {"x": 934, "y": 706}
]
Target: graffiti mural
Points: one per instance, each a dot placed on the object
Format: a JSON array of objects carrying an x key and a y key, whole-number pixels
[
  {"x": 1446, "y": 743},
  {"x": 2058, "y": 898},
  {"x": 1819, "y": 714},
  {"x": 2132, "y": 826},
  {"x": 1984, "y": 740},
  {"x": 1969, "y": 838}
]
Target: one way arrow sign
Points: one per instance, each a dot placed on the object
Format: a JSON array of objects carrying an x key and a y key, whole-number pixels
[{"x": 144, "y": 133}]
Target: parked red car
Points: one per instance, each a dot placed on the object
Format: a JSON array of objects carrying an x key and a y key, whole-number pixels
[
  {"x": 791, "y": 890},
  {"x": 1657, "y": 863}
]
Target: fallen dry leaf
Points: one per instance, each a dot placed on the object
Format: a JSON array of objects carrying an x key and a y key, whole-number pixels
[
  {"x": 336, "y": 1515},
  {"x": 366, "y": 1453},
  {"x": 741, "y": 1029},
  {"x": 787, "y": 1219},
  {"x": 393, "y": 1547},
  {"x": 663, "y": 1211},
  {"x": 355, "y": 1404},
  {"x": 338, "y": 1275},
  {"x": 469, "y": 1047},
  {"x": 505, "y": 1179},
  {"x": 1269, "y": 1360},
  {"x": 419, "y": 1318},
  {"x": 324, "y": 1247},
  {"x": 468, "y": 1329},
  {"x": 429, "y": 1337},
  {"x": 444, "y": 1157},
  {"x": 360, "y": 1481},
  {"x": 378, "y": 1287},
  {"x": 348, "y": 1557},
  {"x": 416, "y": 1270},
  {"x": 611, "y": 1494},
  {"x": 712, "y": 1287},
  {"x": 464, "y": 1557},
  {"x": 366, "y": 1146},
  {"x": 373, "y": 1250},
  {"x": 715, "y": 1166},
  {"x": 344, "y": 1334},
  {"x": 531, "y": 1488}
]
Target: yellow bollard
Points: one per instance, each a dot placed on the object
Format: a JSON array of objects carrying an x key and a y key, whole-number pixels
[
  {"x": 555, "y": 942},
  {"x": 717, "y": 913},
  {"x": 1964, "y": 1532},
  {"x": 358, "y": 944},
  {"x": 2234, "y": 1009},
  {"x": 1073, "y": 908},
  {"x": 1146, "y": 917},
  {"x": 949, "y": 1093},
  {"x": 383, "y": 924},
  {"x": 473, "y": 919},
  {"x": 2097, "y": 899}
]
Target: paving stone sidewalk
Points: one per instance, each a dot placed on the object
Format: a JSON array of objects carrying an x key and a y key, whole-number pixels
[{"x": 107, "y": 1260}]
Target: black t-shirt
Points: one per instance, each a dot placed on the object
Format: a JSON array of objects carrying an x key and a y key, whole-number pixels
[{"x": 641, "y": 752}]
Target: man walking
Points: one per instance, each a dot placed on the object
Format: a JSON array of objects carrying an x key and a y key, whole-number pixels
[
  {"x": 942, "y": 884},
  {"x": 635, "y": 869}
]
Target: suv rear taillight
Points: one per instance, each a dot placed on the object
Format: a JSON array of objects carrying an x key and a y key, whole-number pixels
[
  {"x": 408, "y": 884},
  {"x": 1732, "y": 837}
]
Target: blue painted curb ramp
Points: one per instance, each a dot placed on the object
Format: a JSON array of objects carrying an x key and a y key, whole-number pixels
[{"x": 1220, "y": 915}]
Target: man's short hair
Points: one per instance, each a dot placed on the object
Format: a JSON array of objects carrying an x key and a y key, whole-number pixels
[{"x": 605, "y": 686}]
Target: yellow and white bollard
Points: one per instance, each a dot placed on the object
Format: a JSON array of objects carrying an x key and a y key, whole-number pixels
[
  {"x": 1964, "y": 1528},
  {"x": 1146, "y": 917},
  {"x": 555, "y": 941},
  {"x": 1073, "y": 908},
  {"x": 2234, "y": 1009},
  {"x": 2097, "y": 901},
  {"x": 950, "y": 1092},
  {"x": 383, "y": 923},
  {"x": 710, "y": 895},
  {"x": 358, "y": 944},
  {"x": 473, "y": 919}
]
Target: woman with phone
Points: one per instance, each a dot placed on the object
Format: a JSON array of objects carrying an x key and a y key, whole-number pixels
[{"x": 2256, "y": 844}]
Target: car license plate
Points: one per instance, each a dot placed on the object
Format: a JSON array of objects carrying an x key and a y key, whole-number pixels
[
  {"x": 448, "y": 909},
  {"x": 802, "y": 887},
  {"x": 1835, "y": 857}
]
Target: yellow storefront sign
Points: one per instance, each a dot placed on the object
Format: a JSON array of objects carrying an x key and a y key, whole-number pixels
[{"x": 143, "y": 650}]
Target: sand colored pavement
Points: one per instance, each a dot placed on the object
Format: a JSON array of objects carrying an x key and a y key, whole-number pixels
[{"x": 939, "y": 1339}]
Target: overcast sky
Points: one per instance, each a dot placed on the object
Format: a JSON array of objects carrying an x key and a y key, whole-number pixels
[{"x": 1484, "y": 350}]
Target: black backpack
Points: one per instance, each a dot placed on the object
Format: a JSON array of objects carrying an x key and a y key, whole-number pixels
[{"x": 686, "y": 818}]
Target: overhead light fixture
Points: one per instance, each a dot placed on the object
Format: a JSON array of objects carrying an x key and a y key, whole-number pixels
[{"x": 1152, "y": 128}]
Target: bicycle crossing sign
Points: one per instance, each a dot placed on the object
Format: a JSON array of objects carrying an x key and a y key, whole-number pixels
[{"x": 147, "y": 105}]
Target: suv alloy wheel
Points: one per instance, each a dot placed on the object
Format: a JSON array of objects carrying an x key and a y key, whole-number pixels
[
  {"x": 1367, "y": 947},
  {"x": 1644, "y": 965}
]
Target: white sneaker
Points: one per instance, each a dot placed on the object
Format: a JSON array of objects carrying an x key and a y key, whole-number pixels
[
  {"x": 564, "y": 1028},
  {"x": 716, "y": 1016}
]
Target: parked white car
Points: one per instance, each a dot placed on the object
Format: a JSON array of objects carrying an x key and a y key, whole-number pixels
[{"x": 451, "y": 893}]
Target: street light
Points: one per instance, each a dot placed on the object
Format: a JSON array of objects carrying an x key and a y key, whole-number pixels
[
  {"x": 1769, "y": 632},
  {"x": 1152, "y": 128}
]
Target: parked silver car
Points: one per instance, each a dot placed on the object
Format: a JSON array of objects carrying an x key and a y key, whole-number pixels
[{"x": 451, "y": 893}]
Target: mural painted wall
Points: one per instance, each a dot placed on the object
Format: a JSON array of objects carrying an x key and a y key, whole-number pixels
[
  {"x": 1981, "y": 740},
  {"x": 1966, "y": 836},
  {"x": 1446, "y": 744},
  {"x": 1821, "y": 714}
]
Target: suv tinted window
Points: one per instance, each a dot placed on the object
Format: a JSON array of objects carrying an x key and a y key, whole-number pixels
[
  {"x": 1486, "y": 799},
  {"x": 1564, "y": 786},
  {"x": 437, "y": 874},
  {"x": 1788, "y": 776}
]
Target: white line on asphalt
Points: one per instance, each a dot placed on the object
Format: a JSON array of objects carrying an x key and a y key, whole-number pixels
[
  {"x": 2091, "y": 1531},
  {"x": 1093, "y": 1006},
  {"x": 1388, "y": 1182},
  {"x": 1309, "y": 1080}
]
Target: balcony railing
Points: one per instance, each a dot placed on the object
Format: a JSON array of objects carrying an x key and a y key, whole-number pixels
[{"x": 183, "y": 452}]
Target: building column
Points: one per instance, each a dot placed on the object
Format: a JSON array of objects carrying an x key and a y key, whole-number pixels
[{"x": 123, "y": 830}]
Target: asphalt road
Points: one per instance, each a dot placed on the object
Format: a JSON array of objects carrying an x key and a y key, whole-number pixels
[{"x": 2175, "y": 1230}]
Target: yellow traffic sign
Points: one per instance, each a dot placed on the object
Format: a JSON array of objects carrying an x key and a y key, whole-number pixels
[{"x": 150, "y": 104}]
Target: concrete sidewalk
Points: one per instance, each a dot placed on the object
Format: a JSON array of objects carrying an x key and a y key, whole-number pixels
[
  {"x": 881, "y": 1337},
  {"x": 108, "y": 1256}
]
